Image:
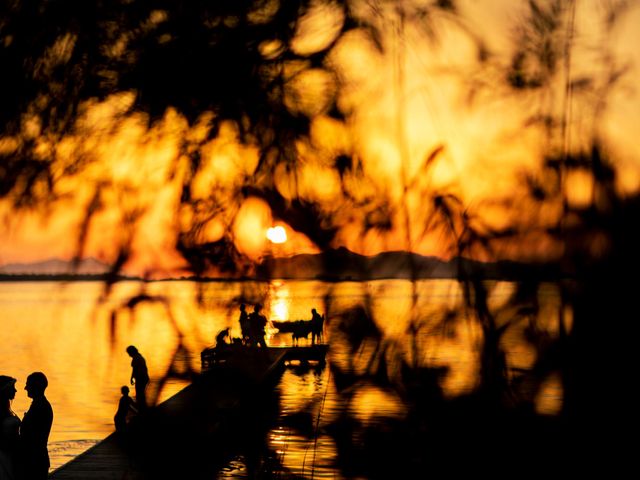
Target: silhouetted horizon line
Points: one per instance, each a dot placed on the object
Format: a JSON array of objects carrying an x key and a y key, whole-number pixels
[{"x": 338, "y": 264}]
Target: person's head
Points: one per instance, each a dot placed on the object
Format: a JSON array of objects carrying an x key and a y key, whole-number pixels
[
  {"x": 257, "y": 308},
  {"x": 313, "y": 310},
  {"x": 242, "y": 307},
  {"x": 7, "y": 390},
  {"x": 36, "y": 384},
  {"x": 124, "y": 390},
  {"x": 131, "y": 350}
]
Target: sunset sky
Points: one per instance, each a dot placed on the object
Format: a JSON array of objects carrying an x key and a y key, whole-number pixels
[{"x": 425, "y": 93}]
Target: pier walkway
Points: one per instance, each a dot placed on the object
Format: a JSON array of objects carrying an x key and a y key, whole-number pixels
[
  {"x": 183, "y": 437},
  {"x": 188, "y": 435}
]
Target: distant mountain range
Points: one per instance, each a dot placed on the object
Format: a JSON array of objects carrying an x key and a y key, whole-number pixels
[
  {"x": 342, "y": 264},
  {"x": 57, "y": 266},
  {"x": 332, "y": 265}
]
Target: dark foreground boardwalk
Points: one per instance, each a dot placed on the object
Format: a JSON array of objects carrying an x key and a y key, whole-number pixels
[{"x": 188, "y": 435}]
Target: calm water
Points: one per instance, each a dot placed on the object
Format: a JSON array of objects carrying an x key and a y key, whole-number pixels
[{"x": 78, "y": 339}]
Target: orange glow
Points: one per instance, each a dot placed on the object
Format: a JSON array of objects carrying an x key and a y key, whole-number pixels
[
  {"x": 372, "y": 402},
  {"x": 400, "y": 100},
  {"x": 318, "y": 28},
  {"x": 550, "y": 397},
  {"x": 579, "y": 187},
  {"x": 253, "y": 218}
]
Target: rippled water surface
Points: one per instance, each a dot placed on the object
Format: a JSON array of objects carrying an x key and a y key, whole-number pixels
[{"x": 78, "y": 338}]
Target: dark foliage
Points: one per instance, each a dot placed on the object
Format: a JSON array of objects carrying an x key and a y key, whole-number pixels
[{"x": 234, "y": 59}]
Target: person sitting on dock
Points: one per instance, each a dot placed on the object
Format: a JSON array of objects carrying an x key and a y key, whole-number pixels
[
  {"x": 221, "y": 338},
  {"x": 257, "y": 324},
  {"x": 139, "y": 376},
  {"x": 245, "y": 327},
  {"x": 126, "y": 406}
]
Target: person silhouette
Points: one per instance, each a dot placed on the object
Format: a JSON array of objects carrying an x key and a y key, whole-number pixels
[
  {"x": 245, "y": 327},
  {"x": 35, "y": 429},
  {"x": 257, "y": 324},
  {"x": 126, "y": 405},
  {"x": 220, "y": 338},
  {"x": 139, "y": 376},
  {"x": 317, "y": 325},
  {"x": 9, "y": 429}
]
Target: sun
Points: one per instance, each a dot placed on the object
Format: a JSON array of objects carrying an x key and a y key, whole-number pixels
[{"x": 277, "y": 234}]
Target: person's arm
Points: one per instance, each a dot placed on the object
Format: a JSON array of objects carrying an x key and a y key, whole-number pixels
[
  {"x": 132, "y": 405},
  {"x": 136, "y": 370}
]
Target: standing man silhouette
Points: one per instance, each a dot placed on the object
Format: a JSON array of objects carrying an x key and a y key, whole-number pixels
[
  {"x": 317, "y": 325},
  {"x": 139, "y": 376},
  {"x": 35, "y": 429},
  {"x": 257, "y": 323}
]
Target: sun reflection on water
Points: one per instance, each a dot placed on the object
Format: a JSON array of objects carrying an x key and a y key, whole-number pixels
[
  {"x": 280, "y": 309},
  {"x": 280, "y": 301}
]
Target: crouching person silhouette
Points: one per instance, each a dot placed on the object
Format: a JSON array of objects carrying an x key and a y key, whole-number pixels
[{"x": 126, "y": 407}]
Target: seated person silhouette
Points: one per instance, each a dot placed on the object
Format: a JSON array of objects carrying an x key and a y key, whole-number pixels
[{"x": 221, "y": 338}]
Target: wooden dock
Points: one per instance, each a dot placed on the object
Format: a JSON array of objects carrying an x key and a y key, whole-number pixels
[
  {"x": 188, "y": 435},
  {"x": 212, "y": 357}
]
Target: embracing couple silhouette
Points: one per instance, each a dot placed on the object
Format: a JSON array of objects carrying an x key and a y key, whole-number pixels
[{"x": 23, "y": 444}]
